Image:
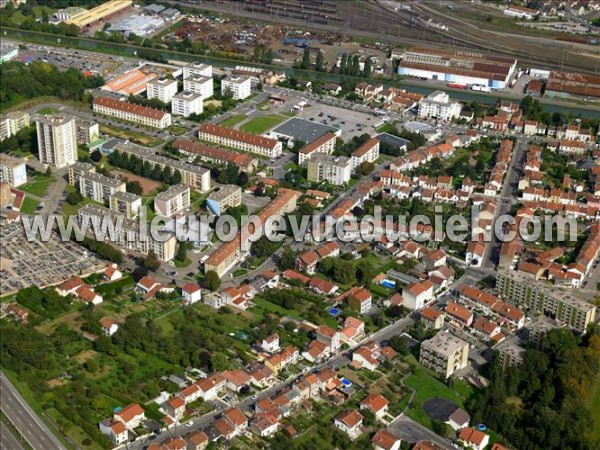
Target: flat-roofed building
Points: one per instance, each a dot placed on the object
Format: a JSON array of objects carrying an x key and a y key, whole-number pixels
[
  {"x": 323, "y": 144},
  {"x": 439, "y": 106},
  {"x": 162, "y": 89},
  {"x": 332, "y": 169},
  {"x": 240, "y": 140},
  {"x": 199, "y": 85},
  {"x": 126, "y": 203},
  {"x": 206, "y": 153},
  {"x": 563, "y": 305},
  {"x": 57, "y": 139},
  {"x": 196, "y": 177},
  {"x": 87, "y": 131},
  {"x": 238, "y": 87},
  {"x": 172, "y": 201},
  {"x": 186, "y": 103},
  {"x": 228, "y": 196},
  {"x": 197, "y": 69},
  {"x": 511, "y": 353},
  {"x": 130, "y": 112},
  {"x": 368, "y": 152},
  {"x": 78, "y": 169},
  {"x": 101, "y": 13},
  {"x": 130, "y": 235},
  {"x": 444, "y": 354},
  {"x": 13, "y": 122},
  {"x": 12, "y": 170},
  {"x": 99, "y": 187}
]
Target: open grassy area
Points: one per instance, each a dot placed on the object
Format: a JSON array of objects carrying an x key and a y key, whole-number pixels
[
  {"x": 47, "y": 110},
  {"x": 38, "y": 186},
  {"x": 261, "y": 124},
  {"x": 233, "y": 120},
  {"x": 69, "y": 210},
  {"x": 177, "y": 130},
  {"x": 133, "y": 136},
  {"x": 593, "y": 403},
  {"x": 29, "y": 205},
  {"x": 19, "y": 18}
]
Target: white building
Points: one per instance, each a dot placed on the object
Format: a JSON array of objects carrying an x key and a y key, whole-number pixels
[
  {"x": 197, "y": 69},
  {"x": 99, "y": 187},
  {"x": 239, "y": 87},
  {"x": 12, "y": 170},
  {"x": 11, "y": 123},
  {"x": 87, "y": 131},
  {"x": 186, "y": 103},
  {"x": 199, "y": 85},
  {"x": 324, "y": 144},
  {"x": 368, "y": 152},
  {"x": 172, "y": 201},
  {"x": 125, "y": 203},
  {"x": 109, "y": 326},
  {"x": 191, "y": 293},
  {"x": 438, "y": 105},
  {"x": 416, "y": 295},
  {"x": 333, "y": 169},
  {"x": 161, "y": 88},
  {"x": 57, "y": 140},
  {"x": 149, "y": 117}
]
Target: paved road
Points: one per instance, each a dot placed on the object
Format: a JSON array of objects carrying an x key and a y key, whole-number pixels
[
  {"x": 25, "y": 420},
  {"x": 8, "y": 441},
  {"x": 408, "y": 430}
]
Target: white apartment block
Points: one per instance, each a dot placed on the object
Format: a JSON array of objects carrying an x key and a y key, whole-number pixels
[
  {"x": 13, "y": 122},
  {"x": 131, "y": 235},
  {"x": 161, "y": 88},
  {"x": 444, "y": 354},
  {"x": 77, "y": 170},
  {"x": 57, "y": 140},
  {"x": 186, "y": 103},
  {"x": 12, "y": 170},
  {"x": 99, "y": 187},
  {"x": 199, "y": 85},
  {"x": 239, "y": 87},
  {"x": 227, "y": 196},
  {"x": 239, "y": 140},
  {"x": 126, "y": 203},
  {"x": 332, "y": 169},
  {"x": 130, "y": 112},
  {"x": 172, "y": 201},
  {"x": 438, "y": 105},
  {"x": 324, "y": 144},
  {"x": 368, "y": 152},
  {"x": 197, "y": 69}
]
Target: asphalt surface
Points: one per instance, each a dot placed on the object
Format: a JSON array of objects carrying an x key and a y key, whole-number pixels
[
  {"x": 25, "y": 420},
  {"x": 8, "y": 441}
]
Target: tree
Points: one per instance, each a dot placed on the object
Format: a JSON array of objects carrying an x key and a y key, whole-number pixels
[
  {"x": 96, "y": 156},
  {"x": 320, "y": 64},
  {"x": 399, "y": 345},
  {"x": 243, "y": 179},
  {"x": 343, "y": 63},
  {"x": 135, "y": 187},
  {"x": 74, "y": 198},
  {"x": 288, "y": 256},
  {"x": 151, "y": 261},
  {"x": 367, "y": 68},
  {"x": 219, "y": 362},
  {"x": 305, "y": 64},
  {"x": 182, "y": 249},
  {"x": 263, "y": 247},
  {"x": 176, "y": 178},
  {"x": 48, "y": 171},
  {"x": 344, "y": 272},
  {"x": 211, "y": 281}
]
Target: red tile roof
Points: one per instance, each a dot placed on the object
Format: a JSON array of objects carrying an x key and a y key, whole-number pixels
[
  {"x": 237, "y": 135},
  {"x": 130, "y": 107}
]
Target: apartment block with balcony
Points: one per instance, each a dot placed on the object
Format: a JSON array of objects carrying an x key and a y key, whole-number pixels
[
  {"x": 228, "y": 196},
  {"x": 239, "y": 88},
  {"x": 444, "y": 354},
  {"x": 162, "y": 89},
  {"x": 332, "y": 169},
  {"x": 174, "y": 200},
  {"x": 199, "y": 85},
  {"x": 12, "y": 170},
  {"x": 99, "y": 187},
  {"x": 57, "y": 139},
  {"x": 77, "y": 170},
  {"x": 186, "y": 103},
  {"x": 126, "y": 203},
  {"x": 197, "y": 69}
]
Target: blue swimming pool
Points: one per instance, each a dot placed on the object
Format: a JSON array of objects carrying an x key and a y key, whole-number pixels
[
  {"x": 388, "y": 284},
  {"x": 346, "y": 382},
  {"x": 334, "y": 311}
]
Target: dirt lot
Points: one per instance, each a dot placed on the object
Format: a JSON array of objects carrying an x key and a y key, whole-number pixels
[{"x": 148, "y": 185}]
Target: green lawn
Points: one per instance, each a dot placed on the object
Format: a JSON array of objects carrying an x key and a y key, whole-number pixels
[
  {"x": 19, "y": 18},
  {"x": 177, "y": 130},
  {"x": 47, "y": 110},
  {"x": 261, "y": 124},
  {"x": 181, "y": 264},
  {"x": 29, "y": 205},
  {"x": 233, "y": 120},
  {"x": 38, "y": 186},
  {"x": 69, "y": 210},
  {"x": 593, "y": 402}
]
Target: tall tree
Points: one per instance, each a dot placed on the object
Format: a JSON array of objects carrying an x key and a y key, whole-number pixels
[
  {"x": 305, "y": 64},
  {"x": 367, "y": 69},
  {"x": 320, "y": 63}
]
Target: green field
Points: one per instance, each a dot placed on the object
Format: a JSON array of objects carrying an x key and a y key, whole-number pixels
[
  {"x": 233, "y": 120},
  {"x": 19, "y": 18},
  {"x": 47, "y": 110},
  {"x": 29, "y": 205},
  {"x": 261, "y": 124},
  {"x": 38, "y": 186}
]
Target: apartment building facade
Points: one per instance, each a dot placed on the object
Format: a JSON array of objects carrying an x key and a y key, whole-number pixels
[
  {"x": 87, "y": 131},
  {"x": 240, "y": 140},
  {"x": 192, "y": 149},
  {"x": 197, "y": 69},
  {"x": 228, "y": 196},
  {"x": 438, "y": 105},
  {"x": 186, "y": 103},
  {"x": 13, "y": 122},
  {"x": 324, "y": 144},
  {"x": 125, "y": 203},
  {"x": 559, "y": 304},
  {"x": 444, "y": 354},
  {"x": 99, "y": 187},
  {"x": 199, "y": 85},
  {"x": 368, "y": 152},
  {"x": 332, "y": 169},
  {"x": 57, "y": 140},
  {"x": 12, "y": 170},
  {"x": 162, "y": 89},
  {"x": 174, "y": 200},
  {"x": 238, "y": 87},
  {"x": 77, "y": 170},
  {"x": 131, "y": 235},
  {"x": 130, "y": 112}
]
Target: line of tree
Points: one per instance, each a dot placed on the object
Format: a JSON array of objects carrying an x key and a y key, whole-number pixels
[
  {"x": 145, "y": 169},
  {"x": 262, "y": 54}
]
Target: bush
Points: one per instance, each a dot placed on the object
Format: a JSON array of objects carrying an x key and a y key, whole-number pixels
[{"x": 73, "y": 198}]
